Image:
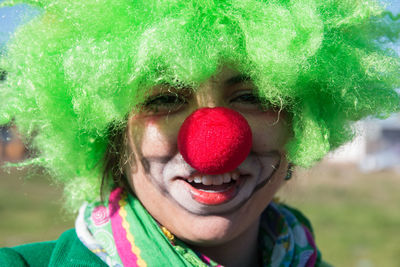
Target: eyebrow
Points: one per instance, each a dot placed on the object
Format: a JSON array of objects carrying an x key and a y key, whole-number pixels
[
  {"x": 177, "y": 85},
  {"x": 237, "y": 79}
]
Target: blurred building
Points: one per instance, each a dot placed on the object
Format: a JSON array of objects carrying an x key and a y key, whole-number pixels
[
  {"x": 376, "y": 147},
  {"x": 12, "y": 148}
]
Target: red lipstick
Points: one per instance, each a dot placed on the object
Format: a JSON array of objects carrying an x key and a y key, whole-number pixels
[{"x": 214, "y": 197}]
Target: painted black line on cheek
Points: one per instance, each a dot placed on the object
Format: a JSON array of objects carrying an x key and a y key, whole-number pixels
[
  {"x": 146, "y": 163},
  {"x": 263, "y": 183},
  {"x": 159, "y": 159},
  {"x": 258, "y": 187},
  {"x": 133, "y": 149},
  {"x": 139, "y": 155}
]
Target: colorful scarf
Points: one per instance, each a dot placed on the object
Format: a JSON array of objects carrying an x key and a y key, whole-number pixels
[{"x": 123, "y": 233}]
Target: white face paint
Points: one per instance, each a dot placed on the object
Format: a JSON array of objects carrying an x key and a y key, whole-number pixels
[
  {"x": 209, "y": 194},
  {"x": 205, "y": 208}
]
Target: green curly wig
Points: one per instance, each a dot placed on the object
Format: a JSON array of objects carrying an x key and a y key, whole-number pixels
[{"x": 82, "y": 66}]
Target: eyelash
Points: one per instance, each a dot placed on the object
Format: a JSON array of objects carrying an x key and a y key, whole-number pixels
[
  {"x": 165, "y": 100},
  {"x": 248, "y": 98},
  {"x": 173, "y": 101}
]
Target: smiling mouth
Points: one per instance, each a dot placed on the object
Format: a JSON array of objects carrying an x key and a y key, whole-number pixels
[{"x": 213, "y": 189}]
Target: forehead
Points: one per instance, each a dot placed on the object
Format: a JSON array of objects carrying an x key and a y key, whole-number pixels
[{"x": 224, "y": 77}]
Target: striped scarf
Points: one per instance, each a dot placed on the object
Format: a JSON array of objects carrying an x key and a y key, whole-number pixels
[{"x": 123, "y": 233}]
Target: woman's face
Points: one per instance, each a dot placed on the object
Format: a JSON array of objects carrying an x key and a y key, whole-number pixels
[{"x": 163, "y": 181}]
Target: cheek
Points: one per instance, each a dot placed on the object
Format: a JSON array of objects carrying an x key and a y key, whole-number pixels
[
  {"x": 267, "y": 193},
  {"x": 155, "y": 138},
  {"x": 269, "y": 132}
]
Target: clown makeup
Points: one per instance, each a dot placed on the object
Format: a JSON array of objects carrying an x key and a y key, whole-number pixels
[{"x": 194, "y": 206}]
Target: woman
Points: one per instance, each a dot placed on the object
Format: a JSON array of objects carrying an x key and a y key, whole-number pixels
[{"x": 136, "y": 100}]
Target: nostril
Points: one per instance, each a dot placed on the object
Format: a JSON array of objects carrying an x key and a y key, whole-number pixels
[{"x": 215, "y": 140}]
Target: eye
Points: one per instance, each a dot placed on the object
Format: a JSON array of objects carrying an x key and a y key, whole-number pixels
[
  {"x": 246, "y": 97},
  {"x": 248, "y": 100},
  {"x": 168, "y": 101}
]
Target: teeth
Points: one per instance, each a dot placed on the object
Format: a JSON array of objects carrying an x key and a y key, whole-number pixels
[
  {"x": 227, "y": 178},
  {"x": 214, "y": 179},
  {"x": 235, "y": 176},
  {"x": 218, "y": 180},
  {"x": 207, "y": 180},
  {"x": 197, "y": 179}
]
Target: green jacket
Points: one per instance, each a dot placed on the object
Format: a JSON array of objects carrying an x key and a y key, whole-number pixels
[{"x": 68, "y": 250}]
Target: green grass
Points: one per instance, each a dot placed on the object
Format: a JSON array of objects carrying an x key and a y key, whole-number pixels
[
  {"x": 30, "y": 209},
  {"x": 356, "y": 217}
]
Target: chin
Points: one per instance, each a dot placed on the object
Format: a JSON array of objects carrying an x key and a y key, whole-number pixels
[{"x": 209, "y": 231}]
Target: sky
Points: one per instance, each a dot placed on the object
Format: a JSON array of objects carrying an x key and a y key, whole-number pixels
[{"x": 11, "y": 17}]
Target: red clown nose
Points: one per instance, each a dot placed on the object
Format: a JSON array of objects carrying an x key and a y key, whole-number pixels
[{"x": 215, "y": 140}]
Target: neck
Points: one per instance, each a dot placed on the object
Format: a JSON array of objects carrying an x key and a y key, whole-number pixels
[{"x": 241, "y": 251}]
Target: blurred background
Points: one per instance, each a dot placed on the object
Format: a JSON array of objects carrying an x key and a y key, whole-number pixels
[{"x": 352, "y": 197}]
